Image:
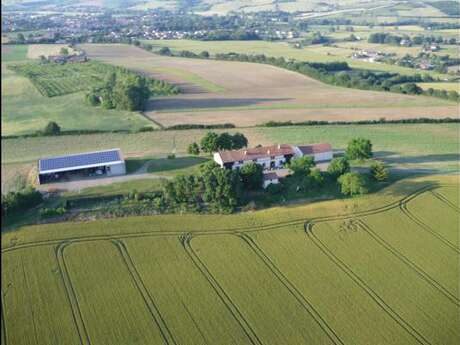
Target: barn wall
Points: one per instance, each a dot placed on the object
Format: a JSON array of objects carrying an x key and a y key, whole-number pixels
[{"x": 117, "y": 169}]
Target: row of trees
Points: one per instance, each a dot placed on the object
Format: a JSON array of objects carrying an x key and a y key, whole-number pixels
[
  {"x": 388, "y": 38},
  {"x": 335, "y": 73}
]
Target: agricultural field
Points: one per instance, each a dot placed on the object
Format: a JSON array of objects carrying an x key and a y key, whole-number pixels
[
  {"x": 25, "y": 110},
  {"x": 429, "y": 148},
  {"x": 34, "y": 51},
  {"x": 245, "y": 278},
  {"x": 314, "y": 53},
  {"x": 441, "y": 86},
  {"x": 256, "y": 93}
]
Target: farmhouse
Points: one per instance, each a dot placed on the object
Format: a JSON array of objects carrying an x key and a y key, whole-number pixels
[
  {"x": 272, "y": 157},
  {"x": 99, "y": 163}
]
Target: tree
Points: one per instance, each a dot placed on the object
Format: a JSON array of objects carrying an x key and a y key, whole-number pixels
[
  {"x": 193, "y": 149},
  {"x": 239, "y": 141},
  {"x": 21, "y": 38},
  {"x": 252, "y": 175},
  {"x": 338, "y": 166},
  {"x": 359, "y": 148},
  {"x": 64, "y": 51},
  {"x": 209, "y": 142},
  {"x": 92, "y": 99},
  {"x": 52, "y": 128},
  {"x": 378, "y": 171},
  {"x": 352, "y": 183},
  {"x": 225, "y": 141},
  {"x": 204, "y": 54},
  {"x": 165, "y": 51},
  {"x": 301, "y": 166}
]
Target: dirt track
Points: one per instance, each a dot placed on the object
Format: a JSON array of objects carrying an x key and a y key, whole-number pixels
[{"x": 257, "y": 93}]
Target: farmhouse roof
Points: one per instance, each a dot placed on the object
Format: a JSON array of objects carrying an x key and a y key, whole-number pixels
[
  {"x": 257, "y": 152},
  {"x": 315, "y": 148},
  {"x": 79, "y": 161}
]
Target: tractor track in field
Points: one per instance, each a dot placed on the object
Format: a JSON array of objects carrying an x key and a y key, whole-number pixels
[
  {"x": 419, "y": 271},
  {"x": 148, "y": 300},
  {"x": 225, "y": 231},
  {"x": 444, "y": 200},
  {"x": 4, "y": 334},
  {"x": 292, "y": 289},
  {"x": 71, "y": 295},
  {"x": 362, "y": 284},
  {"x": 426, "y": 227},
  {"x": 236, "y": 313}
]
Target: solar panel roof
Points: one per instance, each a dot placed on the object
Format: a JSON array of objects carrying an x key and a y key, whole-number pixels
[{"x": 79, "y": 160}]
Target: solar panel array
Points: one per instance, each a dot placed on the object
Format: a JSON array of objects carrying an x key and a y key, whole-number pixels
[{"x": 73, "y": 161}]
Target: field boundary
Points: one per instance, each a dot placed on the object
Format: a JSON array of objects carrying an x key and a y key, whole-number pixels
[
  {"x": 244, "y": 324},
  {"x": 292, "y": 289},
  {"x": 224, "y": 231},
  {"x": 148, "y": 300}
]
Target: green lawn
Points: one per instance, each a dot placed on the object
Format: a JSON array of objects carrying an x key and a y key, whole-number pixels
[{"x": 361, "y": 271}]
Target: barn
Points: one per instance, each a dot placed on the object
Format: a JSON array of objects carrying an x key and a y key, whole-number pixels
[{"x": 81, "y": 165}]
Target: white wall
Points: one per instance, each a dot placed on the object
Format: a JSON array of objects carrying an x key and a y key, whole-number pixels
[
  {"x": 269, "y": 182},
  {"x": 117, "y": 169},
  {"x": 218, "y": 159},
  {"x": 324, "y": 156}
]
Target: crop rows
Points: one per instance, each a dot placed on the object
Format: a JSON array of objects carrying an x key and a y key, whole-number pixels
[{"x": 310, "y": 308}]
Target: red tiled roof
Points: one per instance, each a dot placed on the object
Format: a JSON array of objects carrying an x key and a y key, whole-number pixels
[
  {"x": 315, "y": 148},
  {"x": 257, "y": 152}
]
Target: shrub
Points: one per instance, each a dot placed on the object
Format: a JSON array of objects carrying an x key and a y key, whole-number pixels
[
  {"x": 359, "y": 148},
  {"x": 338, "y": 167},
  {"x": 171, "y": 156},
  {"x": 353, "y": 183},
  {"x": 52, "y": 212},
  {"x": 301, "y": 166},
  {"x": 193, "y": 149},
  {"x": 20, "y": 201},
  {"x": 378, "y": 171},
  {"x": 275, "y": 188}
]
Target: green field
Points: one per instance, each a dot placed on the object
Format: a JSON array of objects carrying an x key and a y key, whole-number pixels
[
  {"x": 441, "y": 86},
  {"x": 25, "y": 110},
  {"x": 434, "y": 145},
  {"x": 315, "y": 53},
  {"x": 326, "y": 273}
]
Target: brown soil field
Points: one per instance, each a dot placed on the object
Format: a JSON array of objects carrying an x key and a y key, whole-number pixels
[{"x": 256, "y": 93}]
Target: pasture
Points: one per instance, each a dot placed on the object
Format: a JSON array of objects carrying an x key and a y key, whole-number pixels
[
  {"x": 325, "y": 273},
  {"x": 256, "y": 93}
]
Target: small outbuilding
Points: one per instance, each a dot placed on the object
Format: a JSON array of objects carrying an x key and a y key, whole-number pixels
[{"x": 65, "y": 168}]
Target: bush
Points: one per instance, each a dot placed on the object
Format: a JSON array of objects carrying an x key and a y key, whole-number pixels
[
  {"x": 52, "y": 212},
  {"x": 359, "y": 148},
  {"x": 52, "y": 128},
  {"x": 275, "y": 188},
  {"x": 171, "y": 156},
  {"x": 378, "y": 171},
  {"x": 301, "y": 166},
  {"x": 338, "y": 167},
  {"x": 353, "y": 183},
  {"x": 193, "y": 149},
  {"x": 20, "y": 201}
]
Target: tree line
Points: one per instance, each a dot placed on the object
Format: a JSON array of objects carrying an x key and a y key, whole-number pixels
[{"x": 336, "y": 73}]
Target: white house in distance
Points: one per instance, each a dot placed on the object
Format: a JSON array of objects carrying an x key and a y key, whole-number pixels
[{"x": 273, "y": 158}]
